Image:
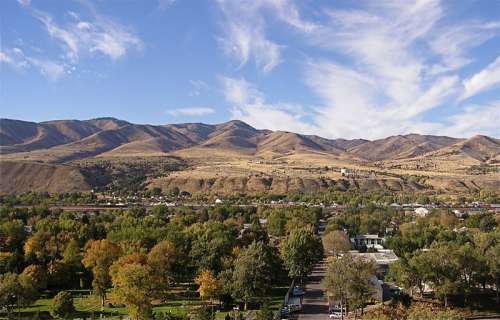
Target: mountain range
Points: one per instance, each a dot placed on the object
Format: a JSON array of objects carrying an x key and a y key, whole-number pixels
[
  {"x": 62, "y": 142},
  {"x": 74, "y": 139}
]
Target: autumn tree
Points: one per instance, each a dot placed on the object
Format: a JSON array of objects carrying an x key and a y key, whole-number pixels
[
  {"x": 99, "y": 256},
  {"x": 133, "y": 285},
  {"x": 42, "y": 245},
  {"x": 336, "y": 241},
  {"x": 165, "y": 261},
  {"x": 37, "y": 275},
  {"x": 208, "y": 285}
]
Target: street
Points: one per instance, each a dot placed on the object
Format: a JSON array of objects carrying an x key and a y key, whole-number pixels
[{"x": 315, "y": 304}]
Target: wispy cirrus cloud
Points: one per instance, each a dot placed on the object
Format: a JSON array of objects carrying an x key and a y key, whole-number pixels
[
  {"x": 249, "y": 104},
  {"x": 198, "y": 86},
  {"x": 17, "y": 59},
  {"x": 190, "y": 112},
  {"x": 392, "y": 64},
  {"x": 484, "y": 80},
  {"x": 244, "y": 26},
  {"x": 474, "y": 119},
  {"x": 96, "y": 34}
]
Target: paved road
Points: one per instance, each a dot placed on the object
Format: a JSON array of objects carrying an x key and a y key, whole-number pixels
[{"x": 315, "y": 304}]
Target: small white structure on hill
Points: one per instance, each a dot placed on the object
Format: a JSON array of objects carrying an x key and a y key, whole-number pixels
[
  {"x": 218, "y": 201},
  {"x": 421, "y": 212}
]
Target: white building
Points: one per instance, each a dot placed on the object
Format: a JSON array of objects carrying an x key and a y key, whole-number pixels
[
  {"x": 368, "y": 240},
  {"x": 421, "y": 212}
]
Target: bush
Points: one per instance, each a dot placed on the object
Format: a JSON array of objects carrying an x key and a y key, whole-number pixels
[
  {"x": 62, "y": 305},
  {"x": 264, "y": 313},
  {"x": 422, "y": 313}
]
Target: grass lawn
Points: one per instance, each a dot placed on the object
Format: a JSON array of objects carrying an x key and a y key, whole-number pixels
[{"x": 88, "y": 306}]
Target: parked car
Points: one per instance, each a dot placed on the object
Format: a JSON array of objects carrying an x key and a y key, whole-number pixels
[
  {"x": 284, "y": 313},
  {"x": 335, "y": 313},
  {"x": 298, "y": 291},
  {"x": 295, "y": 307}
]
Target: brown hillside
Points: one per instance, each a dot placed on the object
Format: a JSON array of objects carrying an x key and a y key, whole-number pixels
[
  {"x": 282, "y": 143},
  {"x": 399, "y": 147},
  {"x": 20, "y": 177},
  {"x": 479, "y": 147}
]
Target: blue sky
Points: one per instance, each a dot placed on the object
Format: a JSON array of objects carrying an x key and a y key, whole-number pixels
[{"x": 352, "y": 69}]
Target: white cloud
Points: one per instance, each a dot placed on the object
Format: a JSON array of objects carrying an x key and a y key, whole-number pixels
[
  {"x": 165, "y": 4},
  {"x": 475, "y": 119},
  {"x": 191, "y": 112},
  {"x": 452, "y": 43},
  {"x": 244, "y": 26},
  {"x": 249, "y": 105},
  {"x": 96, "y": 35},
  {"x": 16, "y": 58},
  {"x": 24, "y": 2},
  {"x": 198, "y": 86},
  {"x": 483, "y": 80},
  {"x": 49, "y": 69},
  {"x": 393, "y": 62}
]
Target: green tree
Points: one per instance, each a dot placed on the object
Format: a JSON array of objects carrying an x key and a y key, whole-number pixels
[
  {"x": 62, "y": 306},
  {"x": 301, "y": 251},
  {"x": 493, "y": 261},
  {"x": 264, "y": 313},
  {"x": 276, "y": 223},
  {"x": 348, "y": 281},
  {"x": 253, "y": 272},
  {"x": 16, "y": 291}
]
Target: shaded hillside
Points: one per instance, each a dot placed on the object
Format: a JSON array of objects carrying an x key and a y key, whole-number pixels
[
  {"x": 282, "y": 143},
  {"x": 399, "y": 147},
  {"x": 481, "y": 148},
  {"x": 23, "y": 136},
  {"x": 280, "y": 185},
  {"x": 18, "y": 177}
]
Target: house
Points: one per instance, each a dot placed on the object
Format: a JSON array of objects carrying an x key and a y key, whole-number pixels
[
  {"x": 368, "y": 241},
  {"x": 421, "y": 212},
  {"x": 218, "y": 201},
  {"x": 459, "y": 214},
  {"x": 345, "y": 172},
  {"x": 382, "y": 258}
]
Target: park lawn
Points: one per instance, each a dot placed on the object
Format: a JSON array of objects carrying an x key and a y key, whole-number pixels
[{"x": 88, "y": 305}]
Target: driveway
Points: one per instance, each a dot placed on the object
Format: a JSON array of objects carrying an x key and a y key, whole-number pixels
[{"x": 315, "y": 304}]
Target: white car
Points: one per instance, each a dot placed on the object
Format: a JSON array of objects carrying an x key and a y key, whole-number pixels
[{"x": 335, "y": 315}]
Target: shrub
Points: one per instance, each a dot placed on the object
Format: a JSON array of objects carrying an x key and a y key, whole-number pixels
[{"x": 62, "y": 305}]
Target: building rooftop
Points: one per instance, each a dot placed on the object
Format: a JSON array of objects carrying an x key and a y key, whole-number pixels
[{"x": 381, "y": 257}]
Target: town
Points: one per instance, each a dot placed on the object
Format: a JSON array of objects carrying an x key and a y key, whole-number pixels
[{"x": 169, "y": 256}]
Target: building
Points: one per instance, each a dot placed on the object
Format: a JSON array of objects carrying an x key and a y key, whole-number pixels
[
  {"x": 382, "y": 258},
  {"x": 346, "y": 172},
  {"x": 368, "y": 241},
  {"x": 421, "y": 212}
]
